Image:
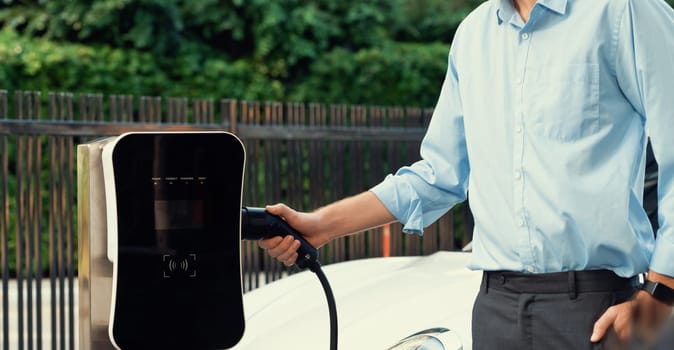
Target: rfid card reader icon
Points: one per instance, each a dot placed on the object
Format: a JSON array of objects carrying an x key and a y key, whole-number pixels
[{"x": 179, "y": 265}]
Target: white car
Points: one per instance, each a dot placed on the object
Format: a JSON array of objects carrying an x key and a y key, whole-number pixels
[
  {"x": 396, "y": 303},
  {"x": 380, "y": 302}
]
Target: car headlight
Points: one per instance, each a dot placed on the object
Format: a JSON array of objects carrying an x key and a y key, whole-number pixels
[{"x": 430, "y": 339}]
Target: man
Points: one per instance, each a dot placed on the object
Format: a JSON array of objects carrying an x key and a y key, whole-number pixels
[{"x": 543, "y": 118}]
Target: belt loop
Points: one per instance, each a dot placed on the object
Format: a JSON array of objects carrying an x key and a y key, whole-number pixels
[
  {"x": 573, "y": 292},
  {"x": 485, "y": 281}
]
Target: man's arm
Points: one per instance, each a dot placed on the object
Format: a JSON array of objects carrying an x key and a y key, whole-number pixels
[
  {"x": 644, "y": 58},
  {"x": 341, "y": 218}
]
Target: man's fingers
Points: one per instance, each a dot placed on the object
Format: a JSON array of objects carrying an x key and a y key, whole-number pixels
[
  {"x": 285, "y": 256},
  {"x": 291, "y": 260},
  {"x": 280, "y": 209},
  {"x": 283, "y": 249},
  {"x": 603, "y": 324},
  {"x": 617, "y": 317},
  {"x": 270, "y": 242},
  {"x": 283, "y": 246}
]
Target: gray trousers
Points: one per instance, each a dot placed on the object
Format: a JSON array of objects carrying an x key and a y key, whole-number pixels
[{"x": 541, "y": 315}]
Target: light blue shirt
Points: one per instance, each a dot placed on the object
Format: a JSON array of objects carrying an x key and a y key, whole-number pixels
[{"x": 544, "y": 124}]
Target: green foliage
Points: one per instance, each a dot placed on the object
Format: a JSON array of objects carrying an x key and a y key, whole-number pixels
[
  {"x": 33, "y": 64},
  {"x": 257, "y": 49},
  {"x": 395, "y": 74},
  {"x": 432, "y": 20}
]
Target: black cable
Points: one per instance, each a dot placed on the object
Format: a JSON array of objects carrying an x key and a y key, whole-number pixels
[
  {"x": 332, "y": 308},
  {"x": 257, "y": 223}
]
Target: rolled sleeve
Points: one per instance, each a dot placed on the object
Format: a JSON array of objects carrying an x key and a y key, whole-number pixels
[{"x": 402, "y": 202}]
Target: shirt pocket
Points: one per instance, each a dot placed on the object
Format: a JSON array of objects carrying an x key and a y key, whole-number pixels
[{"x": 563, "y": 101}]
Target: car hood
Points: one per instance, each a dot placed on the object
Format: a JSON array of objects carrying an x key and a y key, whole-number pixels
[{"x": 379, "y": 301}]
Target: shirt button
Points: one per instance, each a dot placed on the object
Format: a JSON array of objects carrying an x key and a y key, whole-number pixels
[
  {"x": 518, "y": 175},
  {"x": 530, "y": 268},
  {"x": 518, "y": 129},
  {"x": 525, "y": 36},
  {"x": 520, "y": 223}
]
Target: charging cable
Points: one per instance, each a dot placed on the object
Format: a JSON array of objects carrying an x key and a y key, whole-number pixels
[{"x": 257, "y": 223}]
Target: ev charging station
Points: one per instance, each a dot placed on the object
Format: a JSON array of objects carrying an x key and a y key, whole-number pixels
[
  {"x": 172, "y": 204},
  {"x": 160, "y": 225}
]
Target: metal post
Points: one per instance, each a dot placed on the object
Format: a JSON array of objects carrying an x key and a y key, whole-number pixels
[{"x": 95, "y": 270}]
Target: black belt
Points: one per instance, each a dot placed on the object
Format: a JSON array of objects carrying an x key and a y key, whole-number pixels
[{"x": 572, "y": 282}]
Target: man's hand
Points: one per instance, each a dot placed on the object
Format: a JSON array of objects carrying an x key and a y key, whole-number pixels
[
  {"x": 284, "y": 249},
  {"x": 651, "y": 316},
  {"x": 641, "y": 318},
  {"x": 619, "y": 318}
]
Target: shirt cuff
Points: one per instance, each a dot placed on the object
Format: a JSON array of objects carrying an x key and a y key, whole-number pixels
[
  {"x": 402, "y": 202},
  {"x": 662, "y": 261}
]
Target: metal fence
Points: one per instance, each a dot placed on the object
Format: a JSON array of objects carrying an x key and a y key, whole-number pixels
[{"x": 305, "y": 155}]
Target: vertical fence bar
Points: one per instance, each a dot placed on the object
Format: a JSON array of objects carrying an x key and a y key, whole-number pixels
[
  {"x": 68, "y": 204},
  {"x": 91, "y": 107},
  {"x": 270, "y": 160},
  {"x": 142, "y": 109},
  {"x": 33, "y": 307},
  {"x": 294, "y": 119},
  {"x": 37, "y": 226},
  {"x": 355, "y": 168},
  {"x": 58, "y": 210},
  {"x": 171, "y": 106},
  {"x": 121, "y": 108},
  {"x": 28, "y": 160},
  {"x": 52, "y": 224},
  {"x": 317, "y": 155},
  {"x": 177, "y": 110},
  {"x": 4, "y": 223},
  {"x": 203, "y": 111},
  {"x": 375, "y": 173},
  {"x": 19, "y": 225},
  {"x": 62, "y": 231}
]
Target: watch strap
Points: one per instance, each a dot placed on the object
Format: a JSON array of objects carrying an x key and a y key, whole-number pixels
[{"x": 659, "y": 291}]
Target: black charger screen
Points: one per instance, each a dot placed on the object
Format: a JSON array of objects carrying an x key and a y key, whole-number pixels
[{"x": 178, "y": 214}]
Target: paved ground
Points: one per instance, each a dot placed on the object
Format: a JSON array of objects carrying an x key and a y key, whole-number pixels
[{"x": 46, "y": 315}]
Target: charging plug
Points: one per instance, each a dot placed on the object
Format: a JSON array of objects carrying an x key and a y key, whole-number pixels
[{"x": 257, "y": 223}]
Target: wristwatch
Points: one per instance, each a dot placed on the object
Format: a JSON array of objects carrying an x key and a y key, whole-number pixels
[{"x": 659, "y": 291}]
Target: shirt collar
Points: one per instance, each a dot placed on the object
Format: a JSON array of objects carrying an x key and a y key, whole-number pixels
[
  {"x": 558, "y": 6},
  {"x": 505, "y": 9}
]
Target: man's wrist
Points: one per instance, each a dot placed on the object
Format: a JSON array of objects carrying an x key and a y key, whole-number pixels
[
  {"x": 659, "y": 291},
  {"x": 660, "y": 287},
  {"x": 660, "y": 278}
]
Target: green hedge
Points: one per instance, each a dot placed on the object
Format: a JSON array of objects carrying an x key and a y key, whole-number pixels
[
  {"x": 38, "y": 64},
  {"x": 393, "y": 74},
  {"x": 398, "y": 74}
]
